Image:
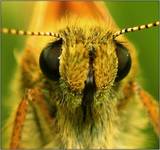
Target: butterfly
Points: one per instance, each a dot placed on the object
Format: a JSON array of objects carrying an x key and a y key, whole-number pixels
[{"x": 80, "y": 90}]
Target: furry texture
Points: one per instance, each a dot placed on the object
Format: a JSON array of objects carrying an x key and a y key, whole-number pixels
[{"x": 108, "y": 127}]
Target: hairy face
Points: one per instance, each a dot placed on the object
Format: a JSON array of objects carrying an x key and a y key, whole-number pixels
[
  {"x": 84, "y": 63},
  {"x": 88, "y": 59}
]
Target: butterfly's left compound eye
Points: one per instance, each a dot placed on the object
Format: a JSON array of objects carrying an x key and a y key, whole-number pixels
[
  {"x": 49, "y": 60},
  {"x": 124, "y": 62}
]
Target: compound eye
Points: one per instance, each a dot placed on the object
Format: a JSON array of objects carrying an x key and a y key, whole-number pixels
[
  {"x": 49, "y": 60},
  {"x": 124, "y": 62}
]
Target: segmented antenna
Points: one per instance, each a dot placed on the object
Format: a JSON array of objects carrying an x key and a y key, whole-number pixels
[
  {"x": 136, "y": 28},
  {"x": 22, "y": 32}
]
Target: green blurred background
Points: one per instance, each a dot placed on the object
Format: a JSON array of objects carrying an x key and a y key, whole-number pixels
[{"x": 17, "y": 14}]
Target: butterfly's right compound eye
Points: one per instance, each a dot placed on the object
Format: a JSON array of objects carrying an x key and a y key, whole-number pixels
[{"x": 49, "y": 60}]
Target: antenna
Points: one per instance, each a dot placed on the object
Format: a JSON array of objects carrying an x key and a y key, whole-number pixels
[
  {"x": 22, "y": 32},
  {"x": 136, "y": 28}
]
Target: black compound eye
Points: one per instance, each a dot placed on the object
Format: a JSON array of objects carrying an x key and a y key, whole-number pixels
[
  {"x": 49, "y": 60},
  {"x": 124, "y": 62}
]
